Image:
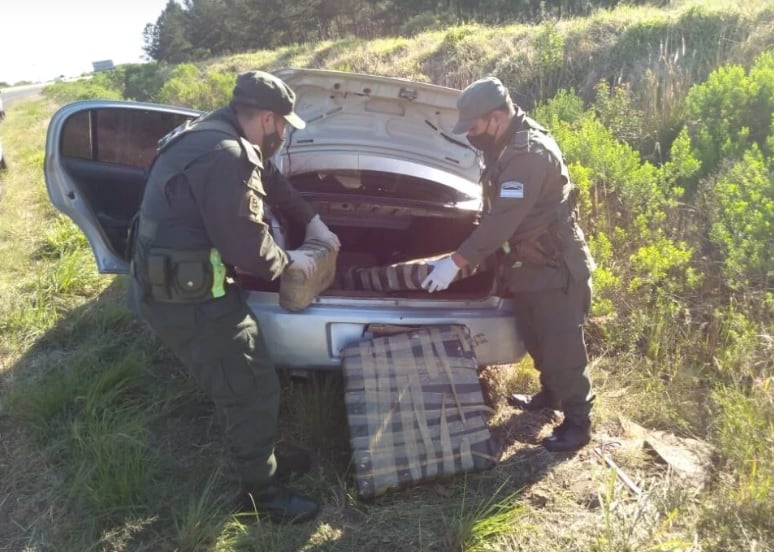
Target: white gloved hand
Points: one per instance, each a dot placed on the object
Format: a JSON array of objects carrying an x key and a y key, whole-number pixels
[
  {"x": 316, "y": 229},
  {"x": 443, "y": 272},
  {"x": 302, "y": 260}
]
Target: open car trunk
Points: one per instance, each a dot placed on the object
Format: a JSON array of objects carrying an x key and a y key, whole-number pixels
[{"x": 381, "y": 229}]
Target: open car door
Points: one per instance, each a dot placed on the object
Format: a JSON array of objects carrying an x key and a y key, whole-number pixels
[{"x": 97, "y": 156}]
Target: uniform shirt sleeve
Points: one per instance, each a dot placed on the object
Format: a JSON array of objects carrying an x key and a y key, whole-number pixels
[
  {"x": 518, "y": 189},
  {"x": 284, "y": 197},
  {"x": 233, "y": 213}
]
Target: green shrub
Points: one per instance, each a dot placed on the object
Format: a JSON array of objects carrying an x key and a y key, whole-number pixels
[
  {"x": 732, "y": 111},
  {"x": 616, "y": 110},
  {"x": 549, "y": 49},
  {"x": 664, "y": 265},
  {"x": 679, "y": 172},
  {"x": 739, "y": 206},
  {"x": 622, "y": 185},
  {"x": 188, "y": 87},
  {"x": 626, "y": 204},
  {"x": 98, "y": 87},
  {"x": 143, "y": 82},
  {"x": 566, "y": 107}
]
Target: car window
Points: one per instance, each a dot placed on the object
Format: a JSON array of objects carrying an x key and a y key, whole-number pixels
[{"x": 117, "y": 135}]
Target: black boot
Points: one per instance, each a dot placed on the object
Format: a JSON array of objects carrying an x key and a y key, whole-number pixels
[
  {"x": 280, "y": 504},
  {"x": 569, "y": 436},
  {"x": 541, "y": 400},
  {"x": 290, "y": 463}
]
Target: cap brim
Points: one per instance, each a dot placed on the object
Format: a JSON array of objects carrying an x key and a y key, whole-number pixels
[
  {"x": 463, "y": 126},
  {"x": 294, "y": 120}
]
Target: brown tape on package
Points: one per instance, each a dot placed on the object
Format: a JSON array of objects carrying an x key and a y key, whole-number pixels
[
  {"x": 415, "y": 409},
  {"x": 296, "y": 290}
]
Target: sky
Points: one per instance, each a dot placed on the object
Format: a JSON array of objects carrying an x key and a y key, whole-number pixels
[{"x": 43, "y": 39}]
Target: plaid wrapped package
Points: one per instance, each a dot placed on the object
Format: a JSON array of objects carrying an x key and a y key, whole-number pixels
[
  {"x": 407, "y": 275},
  {"x": 415, "y": 409},
  {"x": 296, "y": 290}
]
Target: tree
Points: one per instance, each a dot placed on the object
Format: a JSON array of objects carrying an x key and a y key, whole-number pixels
[{"x": 167, "y": 40}]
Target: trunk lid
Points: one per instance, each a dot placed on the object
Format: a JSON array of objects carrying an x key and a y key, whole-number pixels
[{"x": 372, "y": 123}]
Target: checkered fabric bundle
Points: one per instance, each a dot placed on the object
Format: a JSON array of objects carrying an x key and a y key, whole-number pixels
[
  {"x": 415, "y": 409},
  {"x": 296, "y": 291},
  {"x": 399, "y": 276}
]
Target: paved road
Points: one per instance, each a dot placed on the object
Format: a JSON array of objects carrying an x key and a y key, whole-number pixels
[{"x": 21, "y": 92}]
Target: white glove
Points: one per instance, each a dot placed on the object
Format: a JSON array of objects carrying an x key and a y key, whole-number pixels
[
  {"x": 316, "y": 229},
  {"x": 303, "y": 261},
  {"x": 443, "y": 272}
]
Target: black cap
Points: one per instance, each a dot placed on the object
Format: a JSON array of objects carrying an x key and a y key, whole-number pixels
[{"x": 265, "y": 91}]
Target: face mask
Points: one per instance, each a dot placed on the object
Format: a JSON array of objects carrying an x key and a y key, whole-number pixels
[
  {"x": 271, "y": 144},
  {"x": 483, "y": 141}
]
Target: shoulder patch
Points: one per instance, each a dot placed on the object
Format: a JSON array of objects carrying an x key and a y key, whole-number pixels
[
  {"x": 520, "y": 140},
  {"x": 252, "y": 154},
  {"x": 254, "y": 206},
  {"x": 512, "y": 189}
]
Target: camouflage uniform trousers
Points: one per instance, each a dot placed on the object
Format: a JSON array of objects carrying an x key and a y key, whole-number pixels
[
  {"x": 551, "y": 324},
  {"x": 220, "y": 343}
]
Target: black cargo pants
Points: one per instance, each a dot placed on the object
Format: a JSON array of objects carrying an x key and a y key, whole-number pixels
[
  {"x": 550, "y": 321},
  {"x": 219, "y": 341}
]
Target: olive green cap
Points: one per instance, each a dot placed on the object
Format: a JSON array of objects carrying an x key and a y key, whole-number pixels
[
  {"x": 265, "y": 91},
  {"x": 478, "y": 99}
]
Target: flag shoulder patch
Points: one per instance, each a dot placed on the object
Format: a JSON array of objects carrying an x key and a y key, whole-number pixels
[{"x": 512, "y": 189}]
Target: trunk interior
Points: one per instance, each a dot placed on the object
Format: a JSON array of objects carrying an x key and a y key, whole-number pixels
[
  {"x": 380, "y": 229},
  {"x": 373, "y": 235}
]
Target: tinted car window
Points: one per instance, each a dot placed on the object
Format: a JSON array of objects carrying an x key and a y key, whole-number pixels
[{"x": 121, "y": 136}]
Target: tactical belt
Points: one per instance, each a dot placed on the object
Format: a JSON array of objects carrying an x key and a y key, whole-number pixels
[
  {"x": 184, "y": 276},
  {"x": 179, "y": 275}
]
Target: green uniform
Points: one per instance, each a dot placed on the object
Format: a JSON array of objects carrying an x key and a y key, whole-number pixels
[
  {"x": 201, "y": 214},
  {"x": 547, "y": 265}
]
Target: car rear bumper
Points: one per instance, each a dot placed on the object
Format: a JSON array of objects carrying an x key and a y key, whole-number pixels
[{"x": 314, "y": 337}]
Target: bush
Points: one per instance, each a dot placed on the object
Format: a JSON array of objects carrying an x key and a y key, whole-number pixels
[
  {"x": 142, "y": 82},
  {"x": 98, "y": 87},
  {"x": 732, "y": 111},
  {"x": 188, "y": 87},
  {"x": 740, "y": 214}
]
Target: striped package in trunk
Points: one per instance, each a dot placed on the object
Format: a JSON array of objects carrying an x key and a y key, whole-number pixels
[
  {"x": 415, "y": 409},
  {"x": 296, "y": 290},
  {"x": 395, "y": 277}
]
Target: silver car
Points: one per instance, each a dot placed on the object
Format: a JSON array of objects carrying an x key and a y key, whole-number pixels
[{"x": 377, "y": 161}]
